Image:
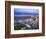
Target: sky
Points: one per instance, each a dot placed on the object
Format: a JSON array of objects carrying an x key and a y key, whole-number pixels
[{"x": 25, "y": 12}]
